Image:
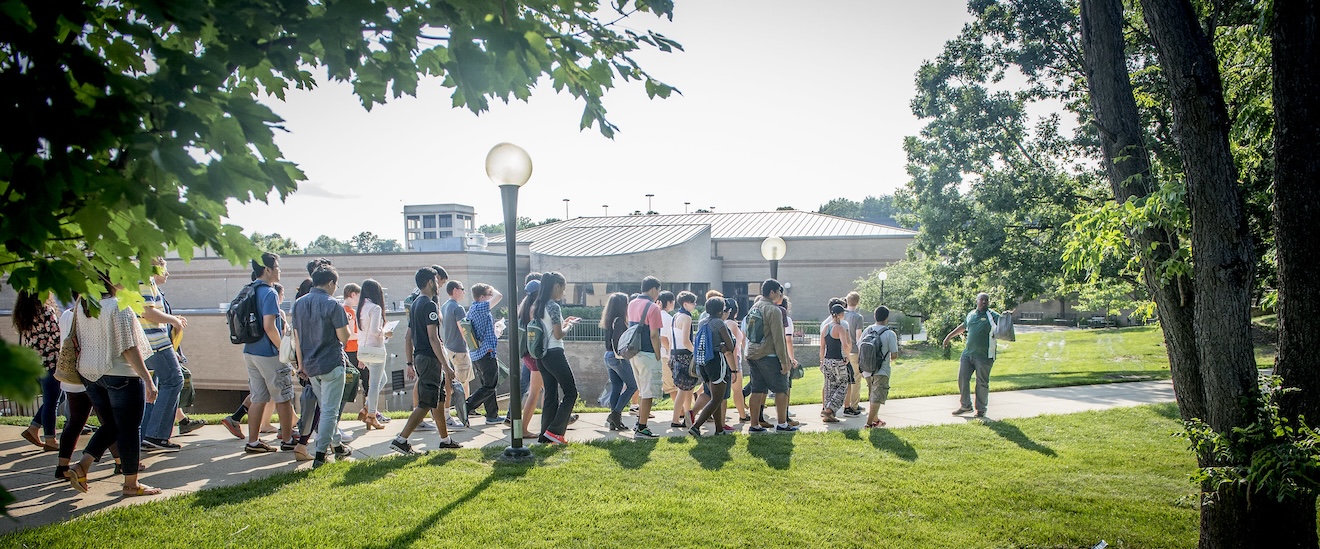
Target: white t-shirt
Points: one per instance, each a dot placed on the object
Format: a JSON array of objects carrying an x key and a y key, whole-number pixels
[{"x": 666, "y": 331}]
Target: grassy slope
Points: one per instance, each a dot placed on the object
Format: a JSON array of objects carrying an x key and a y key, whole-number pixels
[{"x": 1053, "y": 481}]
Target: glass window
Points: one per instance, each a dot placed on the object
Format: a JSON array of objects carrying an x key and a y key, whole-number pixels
[
  {"x": 428, "y": 222},
  {"x": 428, "y": 235},
  {"x": 414, "y": 235},
  {"x": 446, "y": 234},
  {"x": 446, "y": 220},
  {"x": 414, "y": 221}
]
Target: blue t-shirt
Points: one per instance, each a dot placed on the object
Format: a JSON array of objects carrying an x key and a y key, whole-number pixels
[{"x": 267, "y": 304}]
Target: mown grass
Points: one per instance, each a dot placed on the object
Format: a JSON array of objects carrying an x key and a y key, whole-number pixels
[{"x": 1051, "y": 481}]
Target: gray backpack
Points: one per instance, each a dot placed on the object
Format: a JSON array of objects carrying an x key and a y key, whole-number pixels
[
  {"x": 630, "y": 343},
  {"x": 870, "y": 350}
]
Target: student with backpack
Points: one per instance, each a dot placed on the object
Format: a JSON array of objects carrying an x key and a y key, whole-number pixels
[
  {"x": 876, "y": 351},
  {"x": 641, "y": 345},
  {"x": 622, "y": 381},
  {"x": 269, "y": 380},
  {"x": 482, "y": 350},
  {"x": 713, "y": 355},
  {"x": 531, "y": 374},
  {"x": 557, "y": 409}
]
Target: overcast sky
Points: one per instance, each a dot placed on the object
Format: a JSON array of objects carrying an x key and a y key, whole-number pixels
[{"x": 785, "y": 103}]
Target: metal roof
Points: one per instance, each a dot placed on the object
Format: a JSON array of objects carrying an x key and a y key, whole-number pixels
[
  {"x": 596, "y": 241},
  {"x": 729, "y": 226}
]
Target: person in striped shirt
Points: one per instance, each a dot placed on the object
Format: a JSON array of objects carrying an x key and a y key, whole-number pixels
[{"x": 158, "y": 418}]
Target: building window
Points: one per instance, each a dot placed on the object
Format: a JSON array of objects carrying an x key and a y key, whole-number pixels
[
  {"x": 446, "y": 220},
  {"x": 428, "y": 222},
  {"x": 414, "y": 235},
  {"x": 428, "y": 235},
  {"x": 414, "y": 221},
  {"x": 446, "y": 234}
]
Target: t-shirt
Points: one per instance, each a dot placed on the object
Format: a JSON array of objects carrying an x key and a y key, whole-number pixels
[
  {"x": 158, "y": 335},
  {"x": 666, "y": 329},
  {"x": 553, "y": 315},
  {"x": 855, "y": 322},
  {"x": 450, "y": 313},
  {"x": 424, "y": 313},
  {"x": 653, "y": 319},
  {"x": 268, "y": 304},
  {"x": 317, "y": 317},
  {"x": 351, "y": 345},
  {"x": 979, "y": 325}
]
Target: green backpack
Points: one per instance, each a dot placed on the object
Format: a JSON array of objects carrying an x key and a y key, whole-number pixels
[
  {"x": 469, "y": 335},
  {"x": 535, "y": 338}
]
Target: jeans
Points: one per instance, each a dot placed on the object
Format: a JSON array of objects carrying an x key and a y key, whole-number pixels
[
  {"x": 329, "y": 388},
  {"x": 158, "y": 419},
  {"x": 119, "y": 401},
  {"x": 622, "y": 381},
  {"x": 968, "y": 365},
  {"x": 557, "y": 376},
  {"x": 375, "y": 376},
  {"x": 50, "y": 402},
  {"x": 487, "y": 370},
  {"x": 80, "y": 408}
]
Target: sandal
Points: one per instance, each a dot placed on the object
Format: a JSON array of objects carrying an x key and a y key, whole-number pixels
[
  {"x": 28, "y": 436},
  {"x": 77, "y": 478},
  {"x": 141, "y": 490},
  {"x": 878, "y": 423}
]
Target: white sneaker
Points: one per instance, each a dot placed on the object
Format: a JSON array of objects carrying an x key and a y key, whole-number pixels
[
  {"x": 345, "y": 436},
  {"x": 454, "y": 422},
  {"x": 425, "y": 426}
]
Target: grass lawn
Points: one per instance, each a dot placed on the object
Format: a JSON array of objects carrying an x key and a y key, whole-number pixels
[{"x": 1052, "y": 481}]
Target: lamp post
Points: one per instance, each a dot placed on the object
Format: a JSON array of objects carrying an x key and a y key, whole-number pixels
[
  {"x": 607, "y": 209},
  {"x": 565, "y": 209},
  {"x": 509, "y": 166},
  {"x": 773, "y": 249},
  {"x": 649, "y": 209},
  {"x": 882, "y": 276},
  {"x": 685, "y": 206}
]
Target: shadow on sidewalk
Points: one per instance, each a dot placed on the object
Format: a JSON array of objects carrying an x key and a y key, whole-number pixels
[
  {"x": 1012, "y": 434},
  {"x": 886, "y": 441},
  {"x": 776, "y": 449}
]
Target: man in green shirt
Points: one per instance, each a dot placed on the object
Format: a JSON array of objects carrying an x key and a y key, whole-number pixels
[{"x": 978, "y": 356}]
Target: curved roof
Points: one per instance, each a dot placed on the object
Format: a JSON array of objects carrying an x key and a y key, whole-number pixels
[
  {"x": 607, "y": 240},
  {"x": 729, "y": 226}
]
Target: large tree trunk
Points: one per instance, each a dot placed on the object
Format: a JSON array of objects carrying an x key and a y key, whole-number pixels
[
  {"x": 1223, "y": 257},
  {"x": 1296, "y": 50},
  {"x": 1128, "y": 165}
]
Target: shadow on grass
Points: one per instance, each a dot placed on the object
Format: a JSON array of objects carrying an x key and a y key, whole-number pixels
[
  {"x": 1168, "y": 410},
  {"x": 371, "y": 470},
  {"x": 241, "y": 493},
  {"x": 502, "y": 472},
  {"x": 712, "y": 452},
  {"x": 1012, "y": 434},
  {"x": 631, "y": 454},
  {"x": 776, "y": 450},
  {"x": 886, "y": 441},
  {"x": 1041, "y": 380}
]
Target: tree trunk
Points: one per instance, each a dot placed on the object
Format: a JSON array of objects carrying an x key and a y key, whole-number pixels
[
  {"x": 1128, "y": 166},
  {"x": 1223, "y": 258},
  {"x": 1296, "y": 52}
]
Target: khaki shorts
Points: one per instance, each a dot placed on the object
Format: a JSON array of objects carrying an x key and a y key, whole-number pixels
[
  {"x": 269, "y": 380},
  {"x": 667, "y": 376},
  {"x": 856, "y": 375},
  {"x": 646, "y": 368},
  {"x": 877, "y": 387},
  {"x": 462, "y": 364}
]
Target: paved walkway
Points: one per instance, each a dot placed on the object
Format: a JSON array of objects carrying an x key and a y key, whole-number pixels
[{"x": 211, "y": 457}]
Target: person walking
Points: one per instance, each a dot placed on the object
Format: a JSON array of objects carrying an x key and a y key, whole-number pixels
[
  {"x": 740, "y": 342},
  {"x": 856, "y": 322},
  {"x": 835, "y": 344},
  {"x": 442, "y": 278},
  {"x": 372, "y": 338},
  {"x": 534, "y": 385},
  {"x": 37, "y": 324},
  {"x": 484, "y": 363},
  {"x": 646, "y": 363},
  {"x": 112, "y": 348},
  {"x": 622, "y": 381},
  {"x": 680, "y": 360},
  {"x": 717, "y": 343},
  {"x": 320, "y": 328},
  {"x": 269, "y": 380},
  {"x": 560, "y": 386},
  {"x": 978, "y": 357},
  {"x": 426, "y": 364},
  {"x": 767, "y": 352},
  {"x": 158, "y": 423},
  {"x": 456, "y": 349},
  {"x": 877, "y": 374}
]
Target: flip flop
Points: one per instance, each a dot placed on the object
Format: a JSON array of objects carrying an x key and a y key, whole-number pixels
[
  {"x": 28, "y": 436},
  {"x": 77, "y": 480},
  {"x": 142, "y": 490}
]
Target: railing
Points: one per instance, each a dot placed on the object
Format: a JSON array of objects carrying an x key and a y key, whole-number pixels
[{"x": 805, "y": 332}]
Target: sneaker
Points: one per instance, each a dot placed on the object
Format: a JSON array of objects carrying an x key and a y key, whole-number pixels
[
  {"x": 258, "y": 447},
  {"x": 288, "y": 445},
  {"x": 961, "y": 410},
  {"x": 189, "y": 425},
  {"x": 453, "y": 422},
  {"x": 402, "y": 447},
  {"x": 852, "y": 411},
  {"x": 633, "y": 408},
  {"x": 643, "y": 430},
  {"x": 786, "y": 428},
  {"x": 793, "y": 422},
  {"x": 756, "y": 429},
  {"x": 497, "y": 420},
  {"x": 980, "y": 415},
  {"x": 345, "y": 436},
  {"x": 382, "y": 418},
  {"x": 508, "y": 422},
  {"x": 695, "y": 431},
  {"x": 450, "y": 445},
  {"x": 555, "y": 440},
  {"x": 572, "y": 419},
  {"x": 318, "y": 463},
  {"x": 727, "y": 429},
  {"x": 342, "y": 451},
  {"x": 233, "y": 426},
  {"x": 425, "y": 426},
  {"x": 160, "y": 445},
  {"x": 87, "y": 430}
]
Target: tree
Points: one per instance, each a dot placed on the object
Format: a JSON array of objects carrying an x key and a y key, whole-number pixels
[
  {"x": 364, "y": 242},
  {"x": 276, "y": 244},
  {"x": 842, "y": 207},
  {"x": 784, "y": 209},
  {"x": 523, "y": 223},
  {"x": 325, "y": 245}
]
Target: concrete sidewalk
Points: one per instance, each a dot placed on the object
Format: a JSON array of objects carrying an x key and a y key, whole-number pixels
[{"x": 212, "y": 457}]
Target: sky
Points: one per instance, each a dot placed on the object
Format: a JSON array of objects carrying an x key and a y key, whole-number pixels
[{"x": 784, "y": 103}]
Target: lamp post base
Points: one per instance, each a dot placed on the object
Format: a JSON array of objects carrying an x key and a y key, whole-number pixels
[{"x": 521, "y": 453}]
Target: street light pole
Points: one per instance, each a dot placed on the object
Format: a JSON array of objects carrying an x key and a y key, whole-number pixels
[
  {"x": 882, "y": 276},
  {"x": 607, "y": 209},
  {"x": 509, "y": 166},
  {"x": 773, "y": 249},
  {"x": 565, "y": 209},
  {"x": 685, "y": 206},
  {"x": 649, "y": 209}
]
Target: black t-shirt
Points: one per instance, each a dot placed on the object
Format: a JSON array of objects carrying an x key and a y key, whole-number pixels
[{"x": 424, "y": 313}]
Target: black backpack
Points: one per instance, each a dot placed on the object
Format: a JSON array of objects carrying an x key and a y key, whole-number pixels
[{"x": 245, "y": 322}]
